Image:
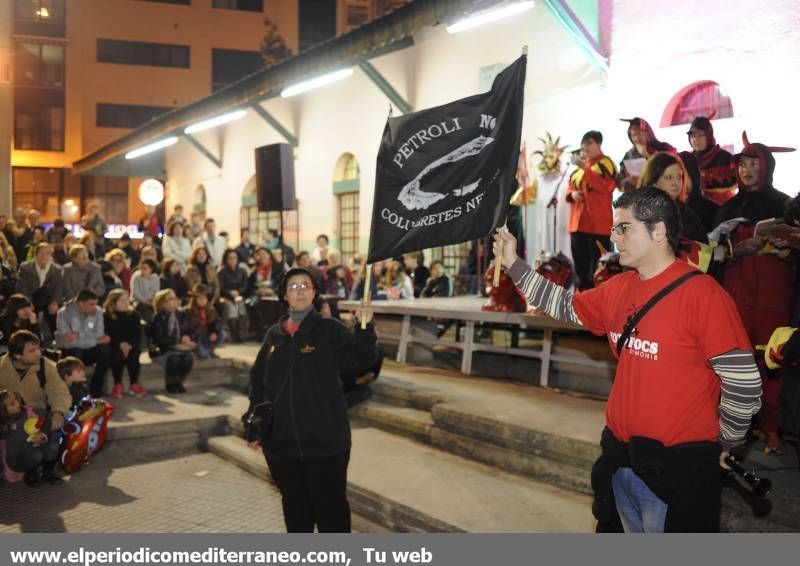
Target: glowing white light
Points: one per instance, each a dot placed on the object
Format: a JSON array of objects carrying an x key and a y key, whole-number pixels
[
  {"x": 43, "y": 13},
  {"x": 151, "y": 147},
  {"x": 488, "y": 16},
  {"x": 151, "y": 192},
  {"x": 214, "y": 122},
  {"x": 316, "y": 82}
]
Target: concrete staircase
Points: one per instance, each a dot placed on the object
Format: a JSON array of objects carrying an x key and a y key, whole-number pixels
[{"x": 435, "y": 451}]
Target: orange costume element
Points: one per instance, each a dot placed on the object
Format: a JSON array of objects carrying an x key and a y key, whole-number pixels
[{"x": 596, "y": 182}]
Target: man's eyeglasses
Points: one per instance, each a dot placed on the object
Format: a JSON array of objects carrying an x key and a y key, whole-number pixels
[
  {"x": 623, "y": 227},
  {"x": 298, "y": 286}
]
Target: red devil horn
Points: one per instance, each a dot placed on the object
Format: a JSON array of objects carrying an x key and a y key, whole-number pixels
[
  {"x": 711, "y": 116},
  {"x": 778, "y": 149},
  {"x": 745, "y": 141}
]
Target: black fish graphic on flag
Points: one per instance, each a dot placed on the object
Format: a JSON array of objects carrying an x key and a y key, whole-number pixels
[{"x": 445, "y": 175}]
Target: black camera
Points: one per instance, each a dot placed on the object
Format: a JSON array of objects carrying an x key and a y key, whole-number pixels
[{"x": 258, "y": 422}]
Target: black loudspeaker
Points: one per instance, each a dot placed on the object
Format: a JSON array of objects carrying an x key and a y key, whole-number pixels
[{"x": 275, "y": 177}]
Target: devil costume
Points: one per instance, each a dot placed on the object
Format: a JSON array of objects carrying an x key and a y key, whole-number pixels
[
  {"x": 761, "y": 283},
  {"x": 717, "y": 168}
]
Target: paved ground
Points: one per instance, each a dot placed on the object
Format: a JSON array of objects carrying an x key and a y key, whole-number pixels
[{"x": 198, "y": 493}]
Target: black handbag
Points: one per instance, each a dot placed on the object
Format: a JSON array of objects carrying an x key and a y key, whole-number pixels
[{"x": 259, "y": 419}]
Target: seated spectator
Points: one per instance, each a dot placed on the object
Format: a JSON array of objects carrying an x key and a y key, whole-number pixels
[
  {"x": 117, "y": 259},
  {"x": 37, "y": 238},
  {"x": 110, "y": 279},
  {"x": 233, "y": 289},
  {"x": 8, "y": 283},
  {"x": 17, "y": 315},
  {"x": 80, "y": 332},
  {"x": 320, "y": 254},
  {"x": 90, "y": 241},
  {"x": 356, "y": 262},
  {"x": 95, "y": 225},
  {"x": 125, "y": 246},
  {"x": 124, "y": 327},
  {"x": 7, "y": 253},
  {"x": 204, "y": 326},
  {"x": 200, "y": 270},
  {"x": 195, "y": 226},
  {"x": 246, "y": 248},
  {"x": 419, "y": 273},
  {"x": 337, "y": 282},
  {"x": 376, "y": 289},
  {"x": 176, "y": 246},
  {"x": 42, "y": 282},
  {"x": 149, "y": 241},
  {"x": 81, "y": 273},
  {"x": 261, "y": 283},
  {"x": 397, "y": 284},
  {"x": 151, "y": 223},
  {"x": 23, "y": 370},
  {"x": 73, "y": 372},
  {"x": 304, "y": 260},
  {"x": 171, "y": 278},
  {"x": 438, "y": 284},
  {"x": 215, "y": 245},
  {"x": 35, "y": 456},
  {"x": 144, "y": 286},
  {"x": 147, "y": 252},
  {"x": 279, "y": 265},
  {"x": 172, "y": 344},
  {"x": 57, "y": 232},
  {"x": 177, "y": 217},
  {"x": 61, "y": 251}
]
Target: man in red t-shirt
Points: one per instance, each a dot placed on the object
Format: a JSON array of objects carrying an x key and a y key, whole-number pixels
[{"x": 686, "y": 384}]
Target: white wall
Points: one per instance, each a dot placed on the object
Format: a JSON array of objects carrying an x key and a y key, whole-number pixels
[{"x": 752, "y": 52}]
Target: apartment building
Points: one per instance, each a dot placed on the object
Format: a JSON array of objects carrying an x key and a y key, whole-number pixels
[{"x": 82, "y": 73}]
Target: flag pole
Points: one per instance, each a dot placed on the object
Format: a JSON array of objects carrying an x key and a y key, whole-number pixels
[{"x": 366, "y": 298}]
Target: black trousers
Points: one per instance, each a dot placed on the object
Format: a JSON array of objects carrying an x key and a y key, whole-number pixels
[
  {"x": 313, "y": 492},
  {"x": 119, "y": 363},
  {"x": 100, "y": 358},
  {"x": 585, "y": 254}
]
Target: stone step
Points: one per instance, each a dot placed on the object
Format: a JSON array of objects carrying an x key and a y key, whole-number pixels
[
  {"x": 406, "y": 421},
  {"x": 209, "y": 373},
  {"x": 493, "y": 436},
  {"x": 396, "y": 392},
  {"x": 406, "y": 486}
]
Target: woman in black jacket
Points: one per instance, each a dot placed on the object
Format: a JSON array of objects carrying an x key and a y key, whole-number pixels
[
  {"x": 124, "y": 326},
  {"x": 306, "y": 434},
  {"x": 172, "y": 346}
]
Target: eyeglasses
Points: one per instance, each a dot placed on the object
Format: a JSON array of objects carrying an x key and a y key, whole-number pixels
[
  {"x": 298, "y": 286},
  {"x": 622, "y": 227}
]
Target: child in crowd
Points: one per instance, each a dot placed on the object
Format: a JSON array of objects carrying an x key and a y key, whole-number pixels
[
  {"x": 172, "y": 344},
  {"x": 171, "y": 278},
  {"x": 27, "y": 449},
  {"x": 73, "y": 372},
  {"x": 144, "y": 286},
  {"x": 205, "y": 325},
  {"x": 124, "y": 326}
]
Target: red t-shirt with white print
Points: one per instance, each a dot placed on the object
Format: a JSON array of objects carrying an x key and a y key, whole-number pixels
[{"x": 664, "y": 386}]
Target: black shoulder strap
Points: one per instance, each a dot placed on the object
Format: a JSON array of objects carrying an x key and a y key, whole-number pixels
[
  {"x": 634, "y": 320},
  {"x": 40, "y": 374}
]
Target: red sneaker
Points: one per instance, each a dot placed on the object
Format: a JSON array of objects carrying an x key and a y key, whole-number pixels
[
  {"x": 116, "y": 391},
  {"x": 137, "y": 390}
]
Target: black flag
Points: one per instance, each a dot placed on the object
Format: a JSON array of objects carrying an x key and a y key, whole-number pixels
[{"x": 445, "y": 175}]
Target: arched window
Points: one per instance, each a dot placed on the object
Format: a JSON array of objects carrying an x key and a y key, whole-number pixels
[
  {"x": 199, "y": 208},
  {"x": 346, "y": 184},
  {"x": 257, "y": 222},
  {"x": 703, "y": 98}
]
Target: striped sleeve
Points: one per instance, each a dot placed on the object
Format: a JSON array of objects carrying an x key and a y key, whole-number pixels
[
  {"x": 741, "y": 394},
  {"x": 542, "y": 293}
]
